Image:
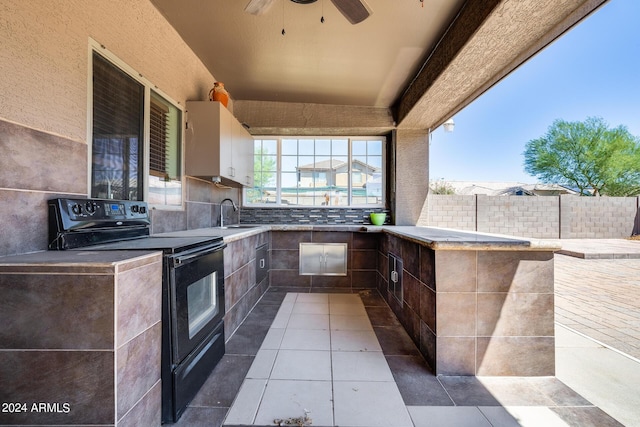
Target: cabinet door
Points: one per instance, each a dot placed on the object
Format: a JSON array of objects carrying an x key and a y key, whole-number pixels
[
  {"x": 323, "y": 259},
  {"x": 226, "y": 143},
  {"x": 335, "y": 259},
  {"x": 311, "y": 258},
  {"x": 206, "y": 124},
  {"x": 242, "y": 154}
]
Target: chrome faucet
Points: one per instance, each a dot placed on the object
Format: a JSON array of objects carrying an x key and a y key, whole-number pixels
[{"x": 235, "y": 208}]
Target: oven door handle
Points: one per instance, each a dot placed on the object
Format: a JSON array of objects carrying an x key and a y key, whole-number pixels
[{"x": 186, "y": 259}]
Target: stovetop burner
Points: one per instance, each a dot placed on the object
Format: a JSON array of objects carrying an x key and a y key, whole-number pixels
[{"x": 111, "y": 225}]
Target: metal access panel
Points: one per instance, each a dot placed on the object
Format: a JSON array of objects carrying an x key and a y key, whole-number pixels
[
  {"x": 323, "y": 259},
  {"x": 262, "y": 262},
  {"x": 395, "y": 276}
]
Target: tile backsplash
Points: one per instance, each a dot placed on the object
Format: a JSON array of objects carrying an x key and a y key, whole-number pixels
[{"x": 319, "y": 216}]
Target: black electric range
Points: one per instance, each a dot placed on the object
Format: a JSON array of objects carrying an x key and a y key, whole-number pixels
[{"x": 193, "y": 302}]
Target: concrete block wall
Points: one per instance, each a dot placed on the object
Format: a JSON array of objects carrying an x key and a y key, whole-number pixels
[
  {"x": 454, "y": 211},
  {"x": 544, "y": 217},
  {"x": 536, "y": 217},
  {"x": 597, "y": 217}
]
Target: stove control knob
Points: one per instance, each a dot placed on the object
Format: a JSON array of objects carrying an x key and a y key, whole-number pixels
[
  {"x": 90, "y": 207},
  {"x": 134, "y": 208},
  {"x": 76, "y": 209},
  {"x": 142, "y": 210}
]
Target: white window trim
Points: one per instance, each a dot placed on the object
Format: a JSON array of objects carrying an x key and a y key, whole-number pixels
[
  {"x": 94, "y": 46},
  {"x": 279, "y": 205}
]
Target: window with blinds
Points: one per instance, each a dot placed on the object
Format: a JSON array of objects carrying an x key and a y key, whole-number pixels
[
  {"x": 165, "y": 161},
  {"x": 158, "y": 130},
  {"x": 118, "y": 146},
  {"x": 118, "y": 117}
]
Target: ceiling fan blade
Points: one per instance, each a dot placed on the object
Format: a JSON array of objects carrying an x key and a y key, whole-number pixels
[
  {"x": 258, "y": 7},
  {"x": 354, "y": 10}
]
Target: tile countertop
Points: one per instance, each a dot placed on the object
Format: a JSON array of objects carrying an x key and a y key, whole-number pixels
[
  {"x": 432, "y": 237},
  {"x": 448, "y": 239},
  {"x": 76, "y": 258}
]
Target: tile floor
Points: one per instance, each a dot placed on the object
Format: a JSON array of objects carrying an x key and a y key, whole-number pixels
[
  {"x": 299, "y": 353},
  {"x": 321, "y": 359}
]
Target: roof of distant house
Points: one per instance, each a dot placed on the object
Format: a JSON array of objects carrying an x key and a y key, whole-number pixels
[
  {"x": 334, "y": 164},
  {"x": 496, "y": 188}
]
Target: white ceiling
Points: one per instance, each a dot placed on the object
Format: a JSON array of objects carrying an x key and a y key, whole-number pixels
[{"x": 367, "y": 64}]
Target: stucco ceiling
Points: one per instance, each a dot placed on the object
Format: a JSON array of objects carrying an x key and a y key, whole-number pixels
[
  {"x": 412, "y": 63},
  {"x": 334, "y": 62}
]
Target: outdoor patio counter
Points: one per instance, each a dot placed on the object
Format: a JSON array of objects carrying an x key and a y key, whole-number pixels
[
  {"x": 477, "y": 304},
  {"x": 474, "y": 303},
  {"x": 447, "y": 239},
  {"x": 432, "y": 237}
]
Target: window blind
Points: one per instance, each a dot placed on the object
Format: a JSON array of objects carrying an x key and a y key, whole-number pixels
[
  {"x": 118, "y": 114},
  {"x": 158, "y": 139}
]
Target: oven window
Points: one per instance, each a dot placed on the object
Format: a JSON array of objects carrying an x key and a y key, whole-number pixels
[{"x": 202, "y": 303}]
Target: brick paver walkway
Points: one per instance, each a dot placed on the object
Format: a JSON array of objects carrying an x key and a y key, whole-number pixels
[{"x": 601, "y": 299}]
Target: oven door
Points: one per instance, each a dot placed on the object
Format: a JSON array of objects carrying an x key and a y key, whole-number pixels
[{"x": 197, "y": 298}]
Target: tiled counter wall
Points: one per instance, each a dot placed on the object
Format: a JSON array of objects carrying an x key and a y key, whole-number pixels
[
  {"x": 475, "y": 312},
  {"x": 417, "y": 311},
  {"x": 241, "y": 290},
  {"x": 86, "y": 333},
  {"x": 361, "y": 259}
]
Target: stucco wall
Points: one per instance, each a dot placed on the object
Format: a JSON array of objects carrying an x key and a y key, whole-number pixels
[
  {"x": 412, "y": 176},
  {"x": 44, "y": 64},
  {"x": 547, "y": 217},
  {"x": 44, "y": 58}
]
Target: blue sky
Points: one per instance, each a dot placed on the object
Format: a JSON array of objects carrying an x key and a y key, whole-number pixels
[{"x": 592, "y": 70}]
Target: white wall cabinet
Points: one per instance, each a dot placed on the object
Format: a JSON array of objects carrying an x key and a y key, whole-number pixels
[
  {"x": 217, "y": 145},
  {"x": 324, "y": 259}
]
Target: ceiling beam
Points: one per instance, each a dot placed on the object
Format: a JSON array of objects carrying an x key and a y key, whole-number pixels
[
  {"x": 497, "y": 37},
  {"x": 306, "y": 119},
  {"x": 469, "y": 19}
]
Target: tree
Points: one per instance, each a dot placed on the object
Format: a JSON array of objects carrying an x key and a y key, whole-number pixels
[
  {"x": 264, "y": 169},
  {"x": 442, "y": 187},
  {"x": 588, "y": 156}
]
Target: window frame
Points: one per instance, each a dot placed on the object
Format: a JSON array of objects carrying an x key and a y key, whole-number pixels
[
  {"x": 97, "y": 48},
  {"x": 350, "y": 205}
]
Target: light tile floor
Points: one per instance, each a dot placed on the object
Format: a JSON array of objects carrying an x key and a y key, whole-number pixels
[
  {"x": 253, "y": 351},
  {"x": 320, "y": 359}
]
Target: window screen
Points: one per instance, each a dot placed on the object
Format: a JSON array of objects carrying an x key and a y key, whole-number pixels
[{"x": 118, "y": 114}]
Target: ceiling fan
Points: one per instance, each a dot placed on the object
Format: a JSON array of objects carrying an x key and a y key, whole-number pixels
[{"x": 354, "y": 10}]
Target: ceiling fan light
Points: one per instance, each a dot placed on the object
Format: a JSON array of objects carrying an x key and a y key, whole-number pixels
[
  {"x": 258, "y": 7},
  {"x": 355, "y": 11}
]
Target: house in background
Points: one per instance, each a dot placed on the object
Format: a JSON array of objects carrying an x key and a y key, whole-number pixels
[
  {"x": 335, "y": 173},
  {"x": 496, "y": 188}
]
